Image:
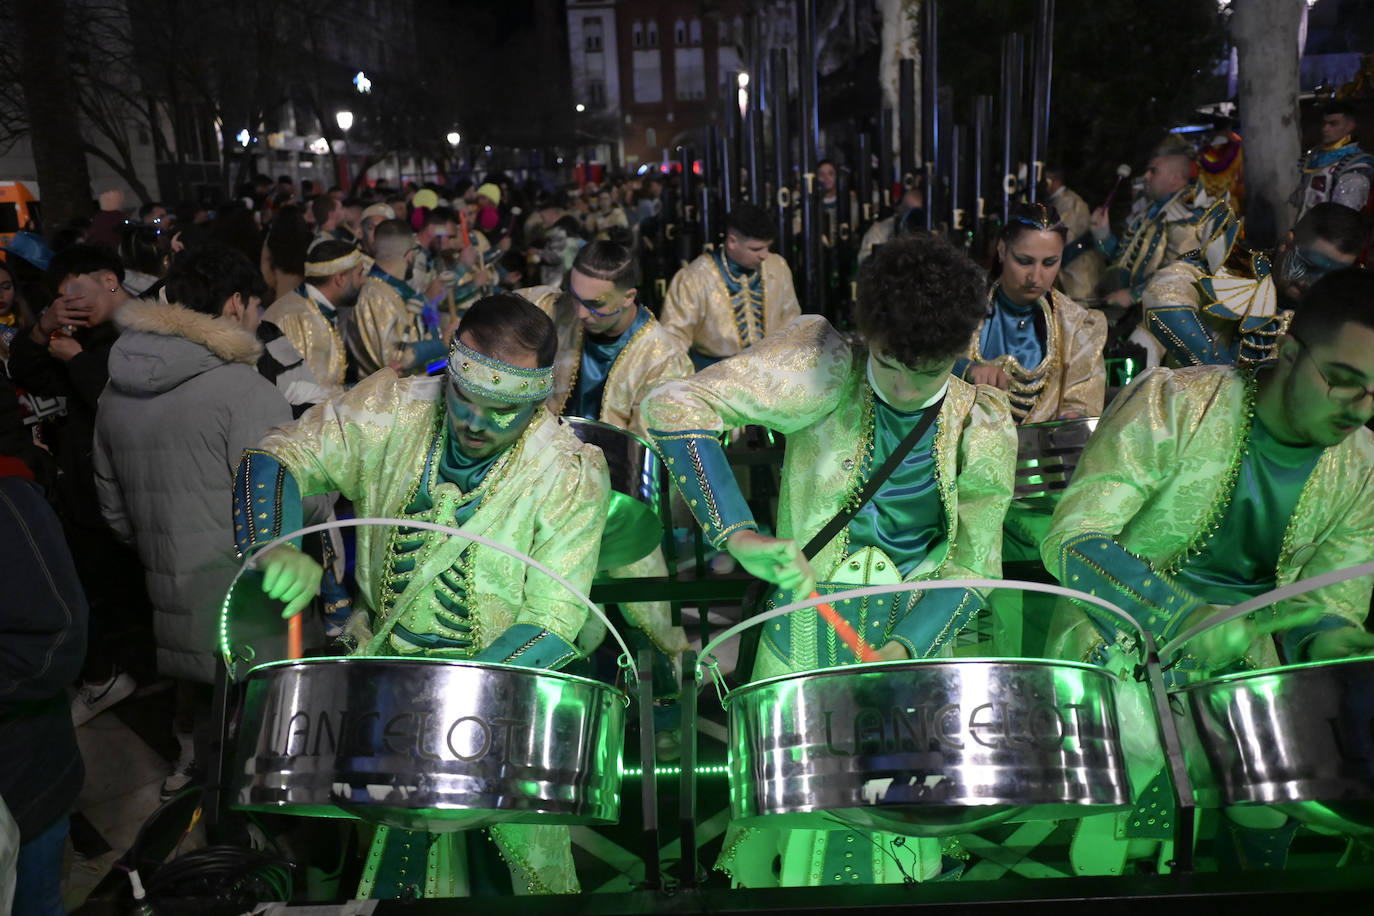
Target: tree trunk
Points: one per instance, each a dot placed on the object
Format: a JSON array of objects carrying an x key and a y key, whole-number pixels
[
  {"x": 898, "y": 41},
  {"x": 1266, "y": 36},
  {"x": 50, "y": 97}
]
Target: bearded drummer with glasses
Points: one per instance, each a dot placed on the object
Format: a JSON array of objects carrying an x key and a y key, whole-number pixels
[
  {"x": 1206, "y": 486},
  {"x": 473, "y": 447},
  {"x": 853, "y": 412}
]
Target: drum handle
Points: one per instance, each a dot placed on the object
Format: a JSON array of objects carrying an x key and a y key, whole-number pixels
[
  {"x": 928, "y": 585},
  {"x": 626, "y": 659},
  {"x": 1292, "y": 589}
]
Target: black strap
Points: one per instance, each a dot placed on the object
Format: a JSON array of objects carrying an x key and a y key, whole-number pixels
[{"x": 875, "y": 481}]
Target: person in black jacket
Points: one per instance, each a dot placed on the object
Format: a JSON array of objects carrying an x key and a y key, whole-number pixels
[
  {"x": 42, "y": 642},
  {"x": 65, "y": 354}
]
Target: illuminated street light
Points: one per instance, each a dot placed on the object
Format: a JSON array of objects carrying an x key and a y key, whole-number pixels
[
  {"x": 453, "y": 138},
  {"x": 345, "y": 120},
  {"x": 361, "y": 81},
  {"x": 243, "y": 137},
  {"x": 580, "y": 107},
  {"x": 743, "y": 81}
]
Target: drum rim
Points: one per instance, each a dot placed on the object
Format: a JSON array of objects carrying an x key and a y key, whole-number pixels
[
  {"x": 1242, "y": 676},
  {"x": 870, "y": 667},
  {"x": 577, "y": 679},
  {"x": 588, "y": 421}
]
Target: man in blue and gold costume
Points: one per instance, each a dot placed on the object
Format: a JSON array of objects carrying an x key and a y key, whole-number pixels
[
  {"x": 844, "y": 408},
  {"x": 1338, "y": 170},
  {"x": 1172, "y": 217},
  {"x": 1227, "y": 305},
  {"x": 1205, "y": 486},
  {"x": 394, "y": 324},
  {"x": 730, "y": 298},
  {"x": 611, "y": 353},
  {"x": 477, "y": 448}
]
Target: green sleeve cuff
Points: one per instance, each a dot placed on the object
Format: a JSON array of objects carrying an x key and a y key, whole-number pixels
[
  {"x": 267, "y": 502},
  {"x": 935, "y": 619},
  {"x": 1096, "y": 564},
  {"x": 528, "y": 646},
  {"x": 702, "y": 474}
]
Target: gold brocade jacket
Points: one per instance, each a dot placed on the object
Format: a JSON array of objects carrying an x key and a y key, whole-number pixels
[
  {"x": 650, "y": 358},
  {"x": 807, "y": 382},
  {"x": 1081, "y": 272},
  {"x": 313, "y": 336},
  {"x": 384, "y": 324},
  {"x": 546, "y": 497},
  {"x": 698, "y": 311},
  {"x": 1072, "y": 377},
  {"x": 1159, "y": 472},
  {"x": 1183, "y": 223}
]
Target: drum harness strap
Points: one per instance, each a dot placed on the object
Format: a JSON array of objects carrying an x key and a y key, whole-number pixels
[{"x": 755, "y": 597}]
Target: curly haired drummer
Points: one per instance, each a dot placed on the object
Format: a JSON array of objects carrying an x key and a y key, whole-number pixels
[
  {"x": 474, "y": 447},
  {"x": 846, "y": 409},
  {"x": 1206, "y": 486}
]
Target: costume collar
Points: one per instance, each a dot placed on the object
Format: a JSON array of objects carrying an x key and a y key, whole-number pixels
[
  {"x": 312, "y": 293},
  {"x": 406, "y": 291}
]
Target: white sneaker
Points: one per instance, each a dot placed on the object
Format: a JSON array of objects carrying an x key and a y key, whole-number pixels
[
  {"x": 183, "y": 771},
  {"x": 94, "y": 698}
]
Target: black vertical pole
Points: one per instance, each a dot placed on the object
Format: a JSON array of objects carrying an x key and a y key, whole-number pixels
[
  {"x": 729, "y": 142},
  {"x": 982, "y": 150},
  {"x": 930, "y": 119},
  {"x": 689, "y": 221},
  {"x": 907, "y": 121},
  {"x": 863, "y": 178},
  {"x": 1012, "y": 51},
  {"x": 810, "y": 140},
  {"x": 782, "y": 149},
  {"x": 885, "y": 176},
  {"x": 958, "y": 212},
  {"x": 710, "y": 177},
  {"x": 756, "y": 87},
  {"x": 1040, "y": 92}
]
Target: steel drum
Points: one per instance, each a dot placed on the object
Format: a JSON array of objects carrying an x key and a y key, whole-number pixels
[
  {"x": 1300, "y": 738},
  {"x": 428, "y": 744},
  {"x": 633, "y": 527},
  {"x": 925, "y": 747},
  {"x": 420, "y": 743},
  {"x": 1046, "y": 456}
]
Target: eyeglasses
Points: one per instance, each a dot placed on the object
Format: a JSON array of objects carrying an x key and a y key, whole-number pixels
[
  {"x": 1342, "y": 393},
  {"x": 597, "y": 306}
]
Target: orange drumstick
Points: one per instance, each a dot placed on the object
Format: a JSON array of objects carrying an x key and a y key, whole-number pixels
[
  {"x": 293, "y": 637},
  {"x": 862, "y": 650}
]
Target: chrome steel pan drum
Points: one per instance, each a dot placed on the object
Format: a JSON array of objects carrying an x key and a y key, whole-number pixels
[
  {"x": 1301, "y": 738},
  {"x": 925, "y": 747},
  {"x": 633, "y": 528},
  {"x": 428, "y": 744}
]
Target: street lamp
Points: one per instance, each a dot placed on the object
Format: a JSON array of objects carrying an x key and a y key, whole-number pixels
[
  {"x": 363, "y": 84},
  {"x": 345, "y": 119},
  {"x": 580, "y": 107},
  {"x": 453, "y": 138},
  {"x": 743, "y": 94}
]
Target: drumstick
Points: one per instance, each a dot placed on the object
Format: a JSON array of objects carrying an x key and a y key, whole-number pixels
[
  {"x": 862, "y": 650},
  {"x": 1122, "y": 171},
  {"x": 293, "y": 637}
]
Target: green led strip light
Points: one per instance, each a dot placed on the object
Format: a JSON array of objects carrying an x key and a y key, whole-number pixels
[{"x": 636, "y": 772}]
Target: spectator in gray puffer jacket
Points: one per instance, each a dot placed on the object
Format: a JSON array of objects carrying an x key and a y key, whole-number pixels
[{"x": 184, "y": 402}]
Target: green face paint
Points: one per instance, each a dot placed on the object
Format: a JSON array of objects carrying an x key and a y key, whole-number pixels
[{"x": 482, "y": 426}]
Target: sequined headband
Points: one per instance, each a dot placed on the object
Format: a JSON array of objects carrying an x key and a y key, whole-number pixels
[
  {"x": 1042, "y": 222},
  {"x": 330, "y": 268},
  {"x": 497, "y": 379}
]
